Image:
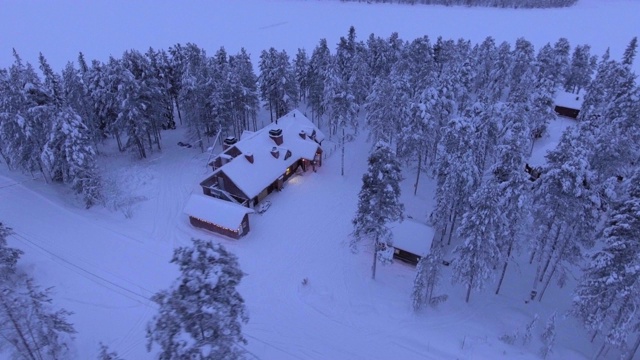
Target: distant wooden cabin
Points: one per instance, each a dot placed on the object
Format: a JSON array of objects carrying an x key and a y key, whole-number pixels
[
  {"x": 568, "y": 104},
  {"x": 261, "y": 162},
  {"x": 218, "y": 216},
  {"x": 411, "y": 240}
]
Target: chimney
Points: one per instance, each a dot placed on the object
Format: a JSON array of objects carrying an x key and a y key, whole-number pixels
[
  {"x": 228, "y": 142},
  {"x": 249, "y": 157},
  {"x": 276, "y": 135},
  {"x": 275, "y": 152},
  {"x": 303, "y": 134}
]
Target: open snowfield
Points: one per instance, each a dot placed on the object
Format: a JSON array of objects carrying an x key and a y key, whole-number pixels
[
  {"x": 105, "y": 265},
  {"x": 60, "y": 29}
]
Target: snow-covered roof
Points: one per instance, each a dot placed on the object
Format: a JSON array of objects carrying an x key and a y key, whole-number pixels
[
  {"x": 569, "y": 100},
  {"x": 252, "y": 178},
  {"x": 246, "y": 134},
  {"x": 223, "y": 213},
  {"x": 412, "y": 236}
]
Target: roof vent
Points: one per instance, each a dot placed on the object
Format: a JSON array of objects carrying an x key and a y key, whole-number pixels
[
  {"x": 249, "y": 157},
  {"x": 228, "y": 142},
  {"x": 303, "y": 134},
  {"x": 276, "y": 135},
  {"x": 275, "y": 152}
]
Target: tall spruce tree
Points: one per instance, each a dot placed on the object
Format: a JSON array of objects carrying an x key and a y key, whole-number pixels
[
  {"x": 201, "y": 314},
  {"x": 608, "y": 296},
  {"x": 480, "y": 232},
  {"x": 378, "y": 203},
  {"x": 32, "y": 329}
]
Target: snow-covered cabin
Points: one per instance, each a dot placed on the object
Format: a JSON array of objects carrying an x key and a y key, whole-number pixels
[
  {"x": 249, "y": 169},
  {"x": 411, "y": 240},
  {"x": 568, "y": 104},
  {"x": 219, "y": 216}
]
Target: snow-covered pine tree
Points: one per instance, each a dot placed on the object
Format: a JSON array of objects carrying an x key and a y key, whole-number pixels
[
  {"x": 340, "y": 103},
  {"x": 201, "y": 314},
  {"x": 523, "y": 57},
  {"x": 318, "y": 67},
  {"x": 561, "y": 60},
  {"x": 32, "y": 328},
  {"x": 382, "y": 111},
  {"x": 428, "y": 274},
  {"x": 378, "y": 203},
  {"x": 480, "y": 230},
  {"x": 608, "y": 295},
  {"x": 484, "y": 57},
  {"x": 382, "y": 54},
  {"x": 501, "y": 72},
  {"x": 247, "y": 102},
  {"x": 278, "y": 86},
  {"x": 548, "y": 336},
  {"x": 141, "y": 103},
  {"x": 8, "y": 256},
  {"x": 457, "y": 174},
  {"x": 511, "y": 181},
  {"x": 76, "y": 93},
  {"x": 580, "y": 71},
  {"x": 26, "y": 126},
  {"x": 301, "y": 72},
  {"x": 196, "y": 91},
  {"x": 69, "y": 149},
  {"x": 566, "y": 207},
  {"x": 630, "y": 52},
  {"x": 106, "y": 354}
]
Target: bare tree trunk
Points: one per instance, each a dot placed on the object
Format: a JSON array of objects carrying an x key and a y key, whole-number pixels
[
  {"x": 18, "y": 330},
  {"x": 415, "y": 187},
  {"x": 551, "y": 252},
  {"x": 553, "y": 270},
  {"x": 506, "y": 263},
  {"x": 199, "y": 135},
  {"x": 116, "y": 134},
  {"x": 140, "y": 145},
  {"x": 375, "y": 259},
  {"x": 342, "y": 162},
  {"x": 6, "y": 159},
  {"x": 150, "y": 141},
  {"x": 533, "y": 256},
  {"x": 453, "y": 223},
  {"x": 469, "y": 289},
  {"x": 604, "y": 345},
  {"x": 178, "y": 108}
]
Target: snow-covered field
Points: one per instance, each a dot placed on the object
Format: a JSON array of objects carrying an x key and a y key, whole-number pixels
[
  {"x": 105, "y": 266},
  {"x": 60, "y": 29}
]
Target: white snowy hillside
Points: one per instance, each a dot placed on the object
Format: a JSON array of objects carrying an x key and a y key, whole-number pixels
[{"x": 521, "y": 223}]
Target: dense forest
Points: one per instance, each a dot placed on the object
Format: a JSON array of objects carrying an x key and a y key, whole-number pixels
[
  {"x": 463, "y": 114},
  {"x": 491, "y": 3}
]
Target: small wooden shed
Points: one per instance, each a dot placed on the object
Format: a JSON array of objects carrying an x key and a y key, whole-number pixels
[
  {"x": 219, "y": 216},
  {"x": 568, "y": 104},
  {"x": 411, "y": 240}
]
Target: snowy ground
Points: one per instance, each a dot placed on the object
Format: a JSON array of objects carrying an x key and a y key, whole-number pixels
[
  {"x": 105, "y": 267},
  {"x": 99, "y": 28}
]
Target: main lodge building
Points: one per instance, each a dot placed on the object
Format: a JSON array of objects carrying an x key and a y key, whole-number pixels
[{"x": 251, "y": 168}]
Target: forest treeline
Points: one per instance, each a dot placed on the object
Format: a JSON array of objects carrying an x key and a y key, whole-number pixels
[
  {"x": 489, "y": 3},
  {"x": 464, "y": 114}
]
